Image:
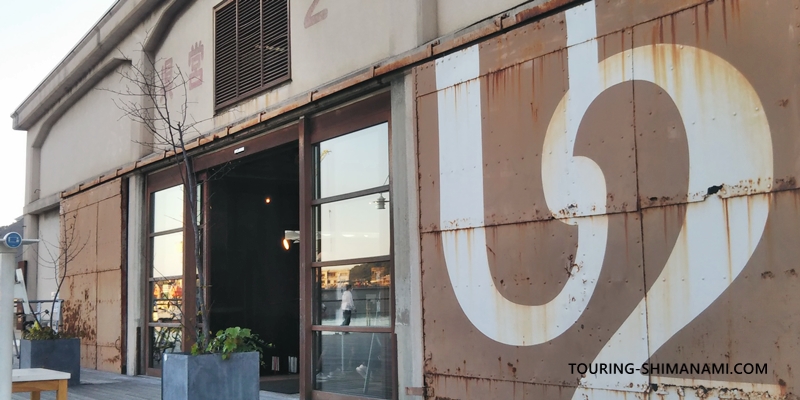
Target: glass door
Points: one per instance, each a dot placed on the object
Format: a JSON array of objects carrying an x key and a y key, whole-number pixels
[
  {"x": 165, "y": 283},
  {"x": 352, "y": 324},
  {"x": 170, "y": 285}
]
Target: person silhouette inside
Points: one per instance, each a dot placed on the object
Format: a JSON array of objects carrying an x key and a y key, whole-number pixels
[{"x": 348, "y": 306}]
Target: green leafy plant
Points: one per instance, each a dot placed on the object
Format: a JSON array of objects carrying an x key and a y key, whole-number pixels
[
  {"x": 38, "y": 332},
  {"x": 232, "y": 340}
]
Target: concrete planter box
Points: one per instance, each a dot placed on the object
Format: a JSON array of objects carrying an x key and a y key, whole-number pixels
[
  {"x": 60, "y": 355},
  {"x": 208, "y": 376}
]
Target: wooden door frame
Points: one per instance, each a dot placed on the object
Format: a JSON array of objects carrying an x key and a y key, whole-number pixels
[
  {"x": 308, "y": 132},
  {"x": 312, "y": 130},
  {"x": 170, "y": 177}
]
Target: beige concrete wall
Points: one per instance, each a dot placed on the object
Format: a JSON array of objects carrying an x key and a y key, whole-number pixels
[
  {"x": 453, "y": 15},
  {"x": 91, "y": 138},
  {"x": 192, "y": 33},
  {"x": 47, "y": 255},
  {"x": 328, "y": 41}
]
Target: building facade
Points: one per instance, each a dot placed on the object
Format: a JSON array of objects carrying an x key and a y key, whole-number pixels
[{"x": 515, "y": 194}]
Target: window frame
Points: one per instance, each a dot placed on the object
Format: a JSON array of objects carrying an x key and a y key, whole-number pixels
[
  {"x": 265, "y": 86},
  {"x": 155, "y": 182},
  {"x": 313, "y": 130}
]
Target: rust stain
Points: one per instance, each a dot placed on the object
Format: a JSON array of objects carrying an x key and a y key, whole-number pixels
[
  {"x": 672, "y": 29},
  {"x": 784, "y": 184},
  {"x": 536, "y": 11},
  {"x": 74, "y": 324},
  {"x": 468, "y": 37},
  {"x": 113, "y": 360},
  {"x": 502, "y": 85},
  {"x": 736, "y": 10},
  {"x": 725, "y": 19},
  {"x": 416, "y": 56}
]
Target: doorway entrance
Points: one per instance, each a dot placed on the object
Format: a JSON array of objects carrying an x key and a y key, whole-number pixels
[
  {"x": 297, "y": 247},
  {"x": 254, "y": 276}
]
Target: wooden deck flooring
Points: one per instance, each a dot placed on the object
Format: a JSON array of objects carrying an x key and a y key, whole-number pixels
[{"x": 97, "y": 385}]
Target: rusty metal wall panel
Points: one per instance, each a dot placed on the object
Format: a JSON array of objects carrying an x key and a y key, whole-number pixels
[
  {"x": 92, "y": 290},
  {"x": 109, "y": 237},
  {"x": 108, "y": 307},
  {"x": 80, "y": 313},
  {"x": 614, "y": 184},
  {"x": 88, "y": 355},
  {"x": 83, "y": 246},
  {"x": 526, "y": 43},
  {"x": 614, "y": 15},
  {"x": 551, "y": 265}
]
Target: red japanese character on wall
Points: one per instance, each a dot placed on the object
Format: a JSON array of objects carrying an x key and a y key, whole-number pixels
[
  {"x": 167, "y": 78},
  {"x": 196, "y": 65}
]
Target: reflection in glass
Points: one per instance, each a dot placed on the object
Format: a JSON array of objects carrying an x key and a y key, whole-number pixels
[
  {"x": 163, "y": 340},
  {"x": 167, "y": 298},
  {"x": 168, "y": 209},
  {"x": 353, "y": 228},
  {"x": 356, "y": 364},
  {"x": 168, "y": 255},
  {"x": 353, "y": 162},
  {"x": 370, "y": 290}
]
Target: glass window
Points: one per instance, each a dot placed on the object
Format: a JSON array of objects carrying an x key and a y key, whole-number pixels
[
  {"x": 163, "y": 339},
  {"x": 165, "y": 280},
  {"x": 353, "y": 162},
  {"x": 353, "y": 228},
  {"x": 356, "y": 364},
  {"x": 167, "y": 255},
  {"x": 168, "y": 209},
  {"x": 368, "y": 301},
  {"x": 167, "y": 298},
  {"x": 352, "y": 273}
]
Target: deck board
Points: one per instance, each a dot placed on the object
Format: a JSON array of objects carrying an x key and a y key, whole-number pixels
[{"x": 98, "y": 385}]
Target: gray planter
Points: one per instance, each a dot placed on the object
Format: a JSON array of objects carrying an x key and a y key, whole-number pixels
[
  {"x": 208, "y": 376},
  {"x": 60, "y": 355}
]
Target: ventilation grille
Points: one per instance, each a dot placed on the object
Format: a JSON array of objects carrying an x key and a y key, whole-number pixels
[{"x": 251, "y": 48}]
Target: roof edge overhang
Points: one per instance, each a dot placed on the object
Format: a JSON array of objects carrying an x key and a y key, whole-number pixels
[{"x": 115, "y": 25}]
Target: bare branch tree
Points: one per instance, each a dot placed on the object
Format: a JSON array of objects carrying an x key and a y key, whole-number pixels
[
  {"x": 145, "y": 98},
  {"x": 60, "y": 255}
]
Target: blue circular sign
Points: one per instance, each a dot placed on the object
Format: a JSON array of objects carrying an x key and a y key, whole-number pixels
[{"x": 13, "y": 240}]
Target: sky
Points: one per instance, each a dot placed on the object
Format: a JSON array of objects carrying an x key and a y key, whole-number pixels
[{"x": 37, "y": 35}]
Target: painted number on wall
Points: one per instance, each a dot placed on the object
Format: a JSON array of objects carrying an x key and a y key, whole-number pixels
[{"x": 312, "y": 17}]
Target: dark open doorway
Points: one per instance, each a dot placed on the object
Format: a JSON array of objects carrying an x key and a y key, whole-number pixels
[{"x": 254, "y": 279}]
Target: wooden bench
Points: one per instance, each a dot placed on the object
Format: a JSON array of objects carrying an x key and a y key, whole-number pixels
[{"x": 36, "y": 380}]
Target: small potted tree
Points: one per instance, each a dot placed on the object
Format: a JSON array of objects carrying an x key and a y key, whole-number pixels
[
  {"x": 44, "y": 343},
  {"x": 226, "y": 368}
]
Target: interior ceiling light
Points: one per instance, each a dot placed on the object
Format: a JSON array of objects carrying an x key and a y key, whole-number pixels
[{"x": 268, "y": 200}]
